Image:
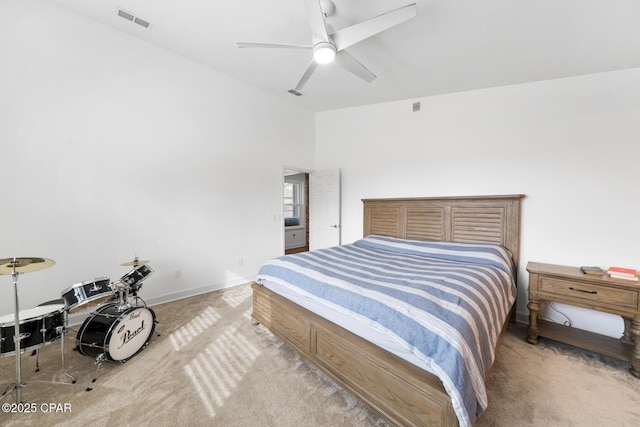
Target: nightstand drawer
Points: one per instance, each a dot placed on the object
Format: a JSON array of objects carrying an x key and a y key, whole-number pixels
[{"x": 601, "y": 295}]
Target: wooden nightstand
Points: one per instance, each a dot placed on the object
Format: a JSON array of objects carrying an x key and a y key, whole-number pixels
[{"x": 568, "y": 285}]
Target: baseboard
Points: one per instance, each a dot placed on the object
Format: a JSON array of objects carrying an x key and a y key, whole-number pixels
[
  {"x": 522, "y": 317},
  {"x": 79, "y": 318}
]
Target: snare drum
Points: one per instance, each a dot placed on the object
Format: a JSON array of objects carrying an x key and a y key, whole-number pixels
[
  {"x": 119, "y": 335},
  {"x": 87, "y": 294},
  {"x": 134, "y": 278},
  {"x": 41, "y": 325}
]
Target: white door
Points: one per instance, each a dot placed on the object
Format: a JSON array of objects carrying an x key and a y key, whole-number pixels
[{"x": 324, "y": 209}]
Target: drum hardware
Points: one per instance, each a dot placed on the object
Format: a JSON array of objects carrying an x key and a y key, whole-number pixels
[
  {"x": 139, "y": 302},
  {"x": 122, "y": 294},
  {"x": 16, "y": 266},
  {"x": 61, "y": 331},
  {"x": 98, "y": 362}
]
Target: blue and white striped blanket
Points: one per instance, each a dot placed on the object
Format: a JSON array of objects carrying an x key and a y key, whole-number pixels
[{"x": 444, "y": 302}]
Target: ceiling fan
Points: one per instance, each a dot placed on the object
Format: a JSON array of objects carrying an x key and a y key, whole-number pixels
[{"x": 328, "y": 45}]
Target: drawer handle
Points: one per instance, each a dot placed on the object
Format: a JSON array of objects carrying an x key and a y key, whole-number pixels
[{"x": 582, "y": 290}]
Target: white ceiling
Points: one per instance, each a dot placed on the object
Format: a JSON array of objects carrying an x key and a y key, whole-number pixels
[{"x": 451, "y": 46}]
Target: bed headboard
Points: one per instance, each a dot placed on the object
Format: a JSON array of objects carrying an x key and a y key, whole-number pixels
[{"x": 488, "y": 219}]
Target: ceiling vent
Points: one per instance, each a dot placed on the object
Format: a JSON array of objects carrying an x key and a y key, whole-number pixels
[{"x": 130, "y": 17}]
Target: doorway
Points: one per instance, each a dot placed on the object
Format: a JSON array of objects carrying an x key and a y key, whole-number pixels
[{"x": 296, "y": 211}]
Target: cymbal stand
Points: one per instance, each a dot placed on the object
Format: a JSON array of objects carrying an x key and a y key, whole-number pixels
[
  {"x": 17, "y": 338},
  {"x": 63, "y": 332}
]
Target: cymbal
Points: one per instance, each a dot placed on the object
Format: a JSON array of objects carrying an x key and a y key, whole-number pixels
[
  {"x": 135, "y": 262},
  {"x": 24, "y": 264}
]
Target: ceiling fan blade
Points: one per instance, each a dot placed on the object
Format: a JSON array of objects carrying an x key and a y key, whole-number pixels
[
  {"x": 272, "y": 45},
  {"x": 316, "y": 20},
  {"x": 351, "y": 64},
  {"x": 307, "y": 74},
  {"x": 358, "y": 32}
]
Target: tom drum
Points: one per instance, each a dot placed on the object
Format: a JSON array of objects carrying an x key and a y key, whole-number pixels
[
  {"x": 134, "y": 278},
  {"x": 87, "y": 294}
]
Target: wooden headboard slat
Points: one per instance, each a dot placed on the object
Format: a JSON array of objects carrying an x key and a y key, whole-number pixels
[{"x": 478, "y": 219}]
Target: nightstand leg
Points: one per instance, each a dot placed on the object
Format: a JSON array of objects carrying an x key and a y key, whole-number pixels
[
  {"x": 626, "y": 337},
  {"x": 635, "y": 353},
  {"x": 532, "y": 330}
]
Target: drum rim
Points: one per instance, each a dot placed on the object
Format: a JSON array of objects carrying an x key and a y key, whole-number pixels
[
  {"x": 86, "y": 282},
  {"x": 22, "y": 321},
  {"x": 97, "y": 299}
]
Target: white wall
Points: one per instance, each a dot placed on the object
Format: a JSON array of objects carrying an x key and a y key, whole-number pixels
[
  {"x": 571, "y": 145},
  {"x": 112, "y": 148}
]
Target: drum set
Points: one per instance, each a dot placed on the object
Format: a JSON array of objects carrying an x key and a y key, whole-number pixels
[{"x": 120, "y": 326}]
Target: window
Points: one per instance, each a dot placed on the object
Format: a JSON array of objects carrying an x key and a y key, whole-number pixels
[{"x": 293, "y": 202}]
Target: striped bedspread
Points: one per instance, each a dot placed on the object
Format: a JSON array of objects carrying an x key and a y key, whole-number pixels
[{"x": 444, "y": 302}]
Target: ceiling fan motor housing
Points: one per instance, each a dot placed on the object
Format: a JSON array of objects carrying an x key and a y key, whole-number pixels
[{"x": 328, "y": 7}]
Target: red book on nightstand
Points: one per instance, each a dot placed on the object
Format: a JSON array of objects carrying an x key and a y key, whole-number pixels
[{"x": 619, "y": 271}]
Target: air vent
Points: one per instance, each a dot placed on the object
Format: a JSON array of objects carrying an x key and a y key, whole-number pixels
[
  {"x": 130, "y": 17},
  {"x": 141, "y": 22},
  {"x": 416, "y": 106},
  {"x": 125, "y": 15},
  {"x": 294, "y": 92}
]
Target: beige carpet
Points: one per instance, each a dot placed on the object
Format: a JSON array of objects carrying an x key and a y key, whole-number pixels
[{"x": 211, "y": 366}]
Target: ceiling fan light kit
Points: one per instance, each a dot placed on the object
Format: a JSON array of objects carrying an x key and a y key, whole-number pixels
[
  {"x": 324, "y": 52},
  {"x": 328, "y": 45}
]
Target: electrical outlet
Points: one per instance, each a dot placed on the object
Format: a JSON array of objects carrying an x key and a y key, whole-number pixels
[
  {"x": 177, "y": 274},
  {"x": 240, "y": 262}
]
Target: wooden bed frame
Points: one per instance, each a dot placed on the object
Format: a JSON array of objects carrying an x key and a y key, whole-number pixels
[{"x": 397, "y": 390}]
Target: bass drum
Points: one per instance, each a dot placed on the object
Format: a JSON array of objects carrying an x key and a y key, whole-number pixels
[{"x": 119, "y": 335}]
